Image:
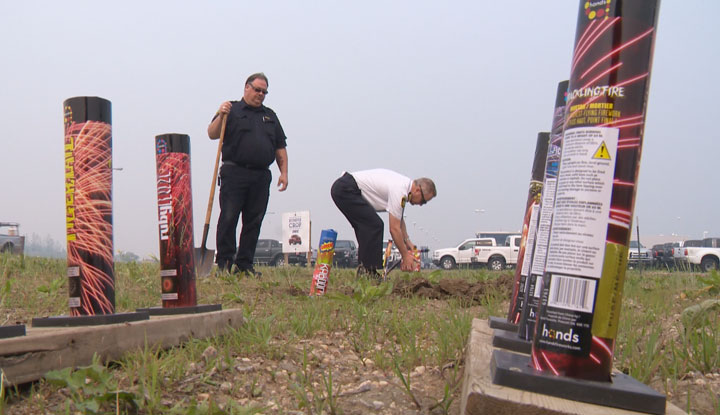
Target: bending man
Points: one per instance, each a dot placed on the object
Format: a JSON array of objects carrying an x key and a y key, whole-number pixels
[{"x": 361, "y": 194}]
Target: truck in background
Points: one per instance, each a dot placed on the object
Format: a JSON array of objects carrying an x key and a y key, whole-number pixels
[
  {"x": 10, "y": 239},
  {"x": 497, "y": 257},
  {"x": 480, "y": 251},
  {"x": 706, "y": 257},
  {"x": 463, "y": 254}
]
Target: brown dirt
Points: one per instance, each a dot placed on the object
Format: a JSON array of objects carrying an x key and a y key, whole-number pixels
[{"x": 453, "y": 288}]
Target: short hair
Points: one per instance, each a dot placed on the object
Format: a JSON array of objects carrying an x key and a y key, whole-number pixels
[
  {"x": 256, "y": 76},
  {"x": 427, "y": 186}
]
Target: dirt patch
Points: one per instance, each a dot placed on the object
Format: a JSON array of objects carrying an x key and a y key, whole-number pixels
[{"x": 453, "y": 288}]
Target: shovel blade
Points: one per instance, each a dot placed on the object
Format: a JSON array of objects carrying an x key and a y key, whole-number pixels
[{"x": 204, "y": 261}]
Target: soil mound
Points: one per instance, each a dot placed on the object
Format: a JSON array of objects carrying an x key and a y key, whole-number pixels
[{"x": 453, "y": 288}]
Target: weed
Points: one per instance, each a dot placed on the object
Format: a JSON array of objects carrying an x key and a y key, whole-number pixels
[
  {"x": 405, "y": 382},
  {"x": 52, "y": 288},
  {"x": 711, "y": 283},
  {"x": 91, "y": 388},
  {"x": 330, "y": 395},
  {"x": 2, "y": 392}
]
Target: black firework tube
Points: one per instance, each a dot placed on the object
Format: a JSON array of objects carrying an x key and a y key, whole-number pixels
[
  {"x": 538, "y": 253},
  {"x": 529, "y": 226},
  {"x": 591, "y": 227},
  {"x": 88, "y": 206},
  {"x": 175, "y": 220}
]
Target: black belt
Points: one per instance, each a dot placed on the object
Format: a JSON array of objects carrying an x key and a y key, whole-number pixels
[{"x": 247, "y": 166}]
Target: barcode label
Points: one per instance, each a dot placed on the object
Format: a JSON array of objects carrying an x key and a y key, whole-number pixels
[{"x": 572, "y": 293}]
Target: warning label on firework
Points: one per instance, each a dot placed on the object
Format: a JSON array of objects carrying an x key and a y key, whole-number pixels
[
  {"x": 544, "y": 222},
  {"x": 530, "y": 243},
  {"x": 582, "y": 202}
]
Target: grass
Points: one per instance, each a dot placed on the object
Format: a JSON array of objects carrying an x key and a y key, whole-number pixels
[{"x": 659, "y": 342}]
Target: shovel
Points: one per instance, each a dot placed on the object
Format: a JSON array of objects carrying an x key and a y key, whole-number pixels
[{"x": 204, "y": 257}]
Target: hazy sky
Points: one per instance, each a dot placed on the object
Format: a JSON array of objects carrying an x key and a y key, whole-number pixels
[{"x": 456, "y": 91}]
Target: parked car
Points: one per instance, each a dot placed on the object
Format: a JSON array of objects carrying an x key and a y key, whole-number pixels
[
  {"x": 480, "y": 251},
  {"x": 269, "y": 252},
  {"x": 639, "y": 255},
  {"x": 346, "y": 255},
  {"x": 10, "y": 239},
  {"x": 680, "y": 253},
  {"x": 497, "y": 257},
  {"x": 706, "y": 257},
  {"x": 658, "y": 254}
]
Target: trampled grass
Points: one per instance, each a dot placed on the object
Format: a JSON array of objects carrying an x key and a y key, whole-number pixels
[{"x": 657, "y": 343}]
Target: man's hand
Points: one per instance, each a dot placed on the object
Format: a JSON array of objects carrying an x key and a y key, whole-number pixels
[
  {"x": 215, "y": 127},
  {"x": 282, "y": 182},
  {"x": 408, "y": 261},
  {"x": 225, "y": 107}
]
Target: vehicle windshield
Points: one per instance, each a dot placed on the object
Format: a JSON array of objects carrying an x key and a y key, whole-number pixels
[{"x": 634, "y": 244}]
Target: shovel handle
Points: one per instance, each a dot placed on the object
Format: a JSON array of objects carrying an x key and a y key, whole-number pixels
[{"x": 214, "y": 178}]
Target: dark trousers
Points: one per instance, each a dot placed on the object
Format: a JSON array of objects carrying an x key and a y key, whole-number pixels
[
  {"x": 365, "y": 221},
  {"x": 245, "y": 191}
]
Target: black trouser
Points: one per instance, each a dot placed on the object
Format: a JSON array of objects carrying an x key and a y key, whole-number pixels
[
  {"x": 365, "y": 221},
  {"x": 245, "y": 191}
]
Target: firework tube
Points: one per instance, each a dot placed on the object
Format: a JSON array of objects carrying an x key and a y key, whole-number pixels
[
  {"x": 591, "y": 227},
  {"x": 175, "y": 220},
  {"x": 416, "y": 255},
  {"x": 538, "y": 252},
  {"x": 527, "y": 238},
  {"x": 88, "y": 204},
  {"x": 326, "y": 252}
]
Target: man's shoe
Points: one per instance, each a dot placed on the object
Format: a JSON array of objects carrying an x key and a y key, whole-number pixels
[
  {"x": 248, "y": 272},
  {"x": 224, "y": 266},
  {"x": 368, "y": 273}
]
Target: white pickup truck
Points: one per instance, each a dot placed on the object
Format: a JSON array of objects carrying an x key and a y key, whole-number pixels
[
  {"x": 463, "y": 254},
  {"x": 498, "y": 257},
  {"x": 479, "y": 251},
  {"x": 707, "y": 257}
]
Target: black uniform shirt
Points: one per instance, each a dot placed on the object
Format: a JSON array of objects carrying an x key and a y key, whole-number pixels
[{"x": 252, "y": 135}]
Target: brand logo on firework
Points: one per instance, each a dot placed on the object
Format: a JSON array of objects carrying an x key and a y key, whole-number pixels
[
  {"x": 161, "y": 146},
  {"x": 164, "y": 212},
  {"x": 597, "y": 9},
  {"x": 568, "y": 336},
  {"x": 327, "y": 247},
  {"x": 321, "y": 277},
  {"x": 70, "y": 188},
  {"x": 164, "y": 193}
]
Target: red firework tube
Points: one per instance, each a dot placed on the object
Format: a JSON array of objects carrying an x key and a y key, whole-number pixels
[
  {"x": 536, "y": 264},
  {"x": 323, "y": 264},
  {"x": 527, "y": 240},
  {"x": 175, "y": 220},
  {"x": 591, "y": 227},
  {"x": 88, "y": 206}
]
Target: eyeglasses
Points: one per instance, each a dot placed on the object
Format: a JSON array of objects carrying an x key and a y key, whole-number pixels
[
  {"x": 259, "y": 90},
  {"x": 422, "y": 197}
]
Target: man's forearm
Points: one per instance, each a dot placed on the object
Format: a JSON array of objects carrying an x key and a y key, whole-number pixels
[{"x": 282, "y": 161}]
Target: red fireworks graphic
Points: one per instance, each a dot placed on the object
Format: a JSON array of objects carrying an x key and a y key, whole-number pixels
[
  {"x": 176, "y": 229},
  {"x": 88, "y": 184}
]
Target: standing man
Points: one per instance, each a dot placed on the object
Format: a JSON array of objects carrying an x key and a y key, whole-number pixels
[
  {"x": 253, "y": 139},
  {"x": 361, "y": 194}
]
